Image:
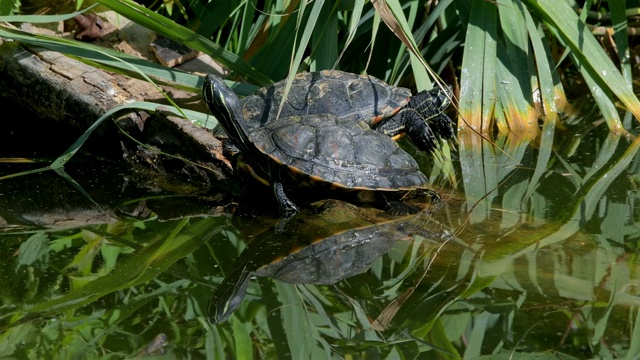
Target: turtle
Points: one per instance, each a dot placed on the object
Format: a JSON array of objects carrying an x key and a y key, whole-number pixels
[
  {"x": 331, "y": 240},
  {"x": 388, "y": 109},
  {"x": 316, "y": 149}
]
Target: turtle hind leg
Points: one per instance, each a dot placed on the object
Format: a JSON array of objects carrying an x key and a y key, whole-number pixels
[
  {"x": 284, "y": 203},
  {"x": 287, "y": 208}
]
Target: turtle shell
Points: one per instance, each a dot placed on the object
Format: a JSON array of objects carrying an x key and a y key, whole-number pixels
[
  {"x": 338, "y": 151},
  {"x": 355, "y": 97}
]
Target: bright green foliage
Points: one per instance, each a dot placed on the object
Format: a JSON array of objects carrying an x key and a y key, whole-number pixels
[
  {"x": 8, "y": 7},
  {"x": 500, "y": 286},
  {"x": 509, "y": 74},
  {"x": 538, "y": 239}
]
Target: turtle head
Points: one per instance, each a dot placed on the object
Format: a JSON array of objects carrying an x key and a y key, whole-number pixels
[
  {"x": 221, "y": 100},
  {"x": 431, "y": 103},
  {"x": 225, "y": 105},
  {"x": 441, "y": 97}
]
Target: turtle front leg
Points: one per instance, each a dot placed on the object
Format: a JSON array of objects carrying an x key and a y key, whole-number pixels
[
  {"x": 424, "y": 131},
  {"x": 424, "y": 119},
  {"x": 420, "y": 131},
  {"x": 409, "y": 122},
  {"x": 285, "y": 204},
  {"x": 393, "y": 127}
]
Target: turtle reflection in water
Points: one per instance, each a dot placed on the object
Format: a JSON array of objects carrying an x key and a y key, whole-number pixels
[{"x": 325, "y": 243}]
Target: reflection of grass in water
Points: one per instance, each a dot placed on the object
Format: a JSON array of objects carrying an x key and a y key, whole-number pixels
[
  {"x": 534, "y": 246},
  {"x": 86, "y": 267},
  {"x": 510, "y": 246},
  {"x": 509, "y": 288}
]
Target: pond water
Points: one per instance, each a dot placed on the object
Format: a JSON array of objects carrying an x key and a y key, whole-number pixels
[{"x": 533, "y": 251}]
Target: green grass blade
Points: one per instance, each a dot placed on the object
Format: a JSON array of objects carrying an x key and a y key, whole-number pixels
[
  {"x": 301, "y": 46},
  {"x": 246, "y": 25},
  {"x": 213, "y": 15},
  {"x": 619, "y": 20},
  {"x": 586, "y": 51},
  {"x": 354, "y": 20},
  {"x": 514, "y": 63},
  {"x": 552, "y": 98},
  {"x": 242, "y": 339},
  {"x": 295, "y": 322},
  {"x": 477, "y": 79},
  {"x": 113, "y": 60},
  {"x": 477, "y": 102},
  {"x": 605, "y": 153},
  {"x": 181, "y": 34},
  {"x": 551, "y": 91},
  {"x": 73, "y": 149},
  {"x": 477, "y": 334},
  {"x": 405, "y": 23},
  {"x": 60, "y": 171},
  {"x": 393, "y": 16},
  {"x": 438, "y": 337},
  {"x": 544, "y": 154},
  {"x": 439, "y": 50},
  {"x": 43, "y": 19},
  {"x": 621, "y": 36},
  {"x": 324, "y": 40},
  {"x": 634, "y": 346},
  {"x": 24, "y": 173},
  {"x": 586, "y": 200},
  {"x": 602, "y": 97}
]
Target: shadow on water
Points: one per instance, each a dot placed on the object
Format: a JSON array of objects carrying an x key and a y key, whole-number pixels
[{"x": 545, "y": 263}]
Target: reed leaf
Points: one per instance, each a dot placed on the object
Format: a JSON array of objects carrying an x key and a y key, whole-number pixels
[
  {"x": 585, "y": 203},
  {"x": 242, "y": 339},
  {"x": 73, "y": 149},
  {"x": 477, "y": 78},
  {"x": 391, "y": 13},
  {"x": 108, "y": 58},
  {"x": 354, "y": 20},
  {"x": 634, "y": 347},
  {"x": 593, "y": 62},
  {"x": 181, "y": 34},
  {"x": 476, "y": 105},
  {"x": 514, "y": 71},
  {"x": 301, "y": 45},
  {"x": 43, "y": 19},
  {"x": 324, "y": 39}
]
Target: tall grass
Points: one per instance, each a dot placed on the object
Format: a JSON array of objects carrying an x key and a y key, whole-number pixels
[{"x": 507, "y": 78}]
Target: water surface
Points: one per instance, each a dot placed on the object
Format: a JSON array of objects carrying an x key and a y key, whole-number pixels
[{"x": 534, "y": 250}]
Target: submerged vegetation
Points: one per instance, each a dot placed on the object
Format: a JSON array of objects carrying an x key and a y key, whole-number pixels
[{"x": 541, "y": 226}]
